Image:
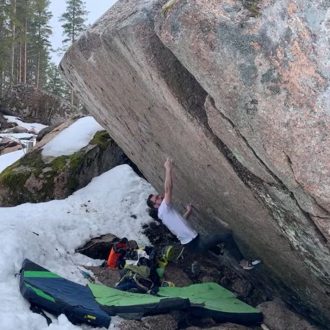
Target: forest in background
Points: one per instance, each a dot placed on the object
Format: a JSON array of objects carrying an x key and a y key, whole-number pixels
[{"x": 25, "y": 46}]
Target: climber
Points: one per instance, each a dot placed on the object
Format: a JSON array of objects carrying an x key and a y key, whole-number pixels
[{"x": 161, "y": 205}]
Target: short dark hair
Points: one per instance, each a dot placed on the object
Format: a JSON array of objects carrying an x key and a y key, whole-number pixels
[
  {"x": 150, "y": 203},
  {"x": 153, "y": 211}
]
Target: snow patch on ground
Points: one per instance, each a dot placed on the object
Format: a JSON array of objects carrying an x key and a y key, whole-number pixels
[
  {"x": 49, "y": 233},
  {"x": 73, "y": 138},
  {"x": 10, "y": 158},
  {"x": 36, "y": 127}
]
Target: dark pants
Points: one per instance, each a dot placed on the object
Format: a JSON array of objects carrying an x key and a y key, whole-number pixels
[{"x": 203, "y": 243}]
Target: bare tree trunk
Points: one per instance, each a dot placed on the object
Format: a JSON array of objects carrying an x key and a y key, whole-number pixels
[
  {"x": 13, "y": 3},
  {"x": 18, "y": 60},
  {"x": 20, "y": 65},
  {"x": 38, "y": 70},
  {"x": 1, "y": 83},
  {"x": 72, "y": 98},
  {"x": 25, "y": 52}
]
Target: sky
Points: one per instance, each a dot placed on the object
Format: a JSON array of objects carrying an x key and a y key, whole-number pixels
[
  {"x": 49, "y": 233},
  {"x": 96, "y": 9}
]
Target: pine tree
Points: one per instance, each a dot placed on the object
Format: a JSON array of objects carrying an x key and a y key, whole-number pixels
[
  {"x": 73, "y": 20},
  {"x": 55, "y": 84},
  {"x": 22, "y": 17},
  {"x": 73, "y": 24},
  {"x": 39, "y": 41},
  {"x": 24, "y": 42},
  {"x": 5, "y": 45}
]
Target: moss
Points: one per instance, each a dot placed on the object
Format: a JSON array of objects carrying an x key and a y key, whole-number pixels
[
  {"x": 253, "y": 7},
  {"x": 59, "y": 163},
  {"x": 75, "y": 160},
  {"x": 102, "y": 139},
  {"x": 67, "y": 168},
  {"x": 14, "y": 178},
  {"x": 33, "y": 161}
]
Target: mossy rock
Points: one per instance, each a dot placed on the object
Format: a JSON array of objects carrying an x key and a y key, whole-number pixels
[
  {"x": 34, "y": 179},
  {"x": 102, "y": 139}
]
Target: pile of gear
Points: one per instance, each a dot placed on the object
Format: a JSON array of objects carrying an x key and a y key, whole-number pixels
[{"x": 141, "y": 269}]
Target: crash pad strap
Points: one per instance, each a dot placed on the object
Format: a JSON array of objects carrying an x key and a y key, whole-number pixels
[{"x": 41, "y": 274}]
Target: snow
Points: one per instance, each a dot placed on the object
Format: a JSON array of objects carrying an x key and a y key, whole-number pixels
[
  {"x": 10, "y": 158},
  {"x": 36, "y": 127},
  {"x": 18, "y": 136},
  {"x": 49, "y": 233},
  {"x": 70, "y": 140},
  {"x": 73, "y": 138}
]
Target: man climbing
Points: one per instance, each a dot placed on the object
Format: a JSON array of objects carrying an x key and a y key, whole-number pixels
[{"x": 182, "y": 229}]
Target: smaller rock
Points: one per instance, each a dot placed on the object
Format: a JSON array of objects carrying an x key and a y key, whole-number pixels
[
  {"x": 6, "y": 142},
  {"x": 175, "y": 274},
  {"x": 105, "y": 275},
  {"x": 8, "y": 145},
  {"x": 34, "y": 184},
  {"x": 163, "y": 322},
  {"x": 277, "y": 316},
  {"x": 98, "y": 247},
  {"x": 207, "y": 278},
  {"x": 225, "y": 326},
  {"x": 241, "y": 287},
  {"x": 46, "y": 131},
  {"x": 16, "y": 129},
  {"x": 4, "y": 124},
  {"x": 46, "y": 170},
  {"x": 10, "y": 149}
]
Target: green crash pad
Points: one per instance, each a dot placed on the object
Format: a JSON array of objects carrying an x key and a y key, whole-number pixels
[
  {"x": 121, "y": 302},
  {"x": 211, "y": 299},
  {"x": 204, "y": 299}
]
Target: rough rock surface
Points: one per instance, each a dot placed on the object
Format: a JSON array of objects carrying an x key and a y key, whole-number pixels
[
  {"x": 225, "y": 326},
  {"x": 98, "y": 247},
  {"x": 237, "y": 92},
  {"x": 4, "y": 124},
  {"x": 8, "y": 145},
  {"x": 35, "y": 178},
  {"x": 164, "y": 322},
  {"x": 35, "y": 105},
  {"x": 278, "y": 317}
]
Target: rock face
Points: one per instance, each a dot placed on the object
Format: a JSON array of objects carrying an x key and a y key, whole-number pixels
[
  {"x": 36, "y": 105},
  {"x": 165, "y": 322},
  {"x": 278, "y": 317},
  {"x": 36, "y": 179},
  {"x": 237, "y": 92}
]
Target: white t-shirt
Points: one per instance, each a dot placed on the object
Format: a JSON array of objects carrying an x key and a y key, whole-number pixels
[{"x": 176, "y": 223}]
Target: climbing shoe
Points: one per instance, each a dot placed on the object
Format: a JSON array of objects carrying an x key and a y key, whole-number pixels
[
  {"x": 249, "y": 264},
  {"x": 173, "y": 252}
]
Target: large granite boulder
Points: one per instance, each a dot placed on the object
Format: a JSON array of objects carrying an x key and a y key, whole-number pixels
[{"x": 237, "y": 93}]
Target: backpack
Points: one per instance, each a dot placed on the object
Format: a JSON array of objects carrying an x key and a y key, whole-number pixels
[
  {"x": 117, "y": 254},
  {"x": 139, "y": 274},
  {"x": 136, "y": 278}
]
